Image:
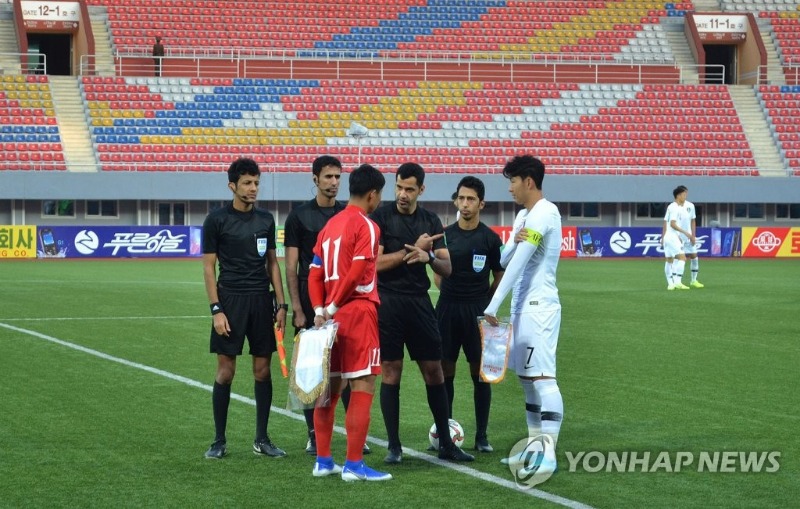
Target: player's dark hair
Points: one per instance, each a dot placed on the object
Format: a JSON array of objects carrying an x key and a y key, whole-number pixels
[
  {"x": 524, "y": 167},
  {"x": 323, "y": 161},
  {"x": 473, "y": 183},
  {"x": 242, "y": 166},
  {"x": 678, "y": 190},
  {"x": 408, "y": 170},
  {"x": 364, "y": 179}
]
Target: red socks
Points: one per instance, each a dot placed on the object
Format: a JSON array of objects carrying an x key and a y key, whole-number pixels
[
  {"x": 357, "y": 424},
  {"x": 323, "y": 426}
]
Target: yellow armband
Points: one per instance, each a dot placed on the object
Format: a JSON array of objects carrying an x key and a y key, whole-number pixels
[{"x": 534, "y": 237}]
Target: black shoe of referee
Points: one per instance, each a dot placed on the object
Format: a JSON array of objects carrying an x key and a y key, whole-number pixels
[
  {"x": 452, "y": 453},
  {"x": 217, "y": 450},
  {"x": 267, "y": 448}
]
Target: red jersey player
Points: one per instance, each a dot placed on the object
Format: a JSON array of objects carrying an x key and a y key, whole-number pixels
[{"x": 342, "y": 285}]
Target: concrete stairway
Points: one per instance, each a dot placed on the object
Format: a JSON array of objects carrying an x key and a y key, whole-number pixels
[
  {"x": 683, "y": 56},
  {"x": 706, "y": 6},
  {"x": 9, "y": 63},
  {"x": 775, "y": 74},
  {"x": 755, "y": 127},
  {"x": 71, "y": 115},
  {"x": 103, "y": 60}
]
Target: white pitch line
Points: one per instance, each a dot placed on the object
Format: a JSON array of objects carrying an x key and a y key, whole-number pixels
[{"x": 566, "y": 502}]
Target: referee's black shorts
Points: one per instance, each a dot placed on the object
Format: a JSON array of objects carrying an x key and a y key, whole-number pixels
[
  {"x": 411, "y": 321},
  {"x": 251, "y": 316},
  {"x": 458, "y": 325}
]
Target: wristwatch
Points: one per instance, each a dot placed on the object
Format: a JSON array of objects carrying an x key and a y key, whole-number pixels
[
  {"x": 432, "y": 257},
  {"x": 283, "y": 306}
]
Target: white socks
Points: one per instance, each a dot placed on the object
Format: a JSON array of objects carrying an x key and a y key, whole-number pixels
[
  {"x": 677, "y": 270},
  {"x": 552, "y": 407},
  {"x": 668, "y": 272},
  {"x": 533, "y": 408},
  {"x": 695, "y": 265}
]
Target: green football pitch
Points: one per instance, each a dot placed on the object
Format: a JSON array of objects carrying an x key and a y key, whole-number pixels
[{"x": 106, "y": 377}]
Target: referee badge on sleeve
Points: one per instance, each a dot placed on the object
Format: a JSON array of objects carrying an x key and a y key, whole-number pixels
[
  {"x": 478, "y": 262},
  {"x": 261, "y": 245}
]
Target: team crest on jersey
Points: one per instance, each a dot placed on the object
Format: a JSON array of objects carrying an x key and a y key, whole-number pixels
[
  {"x": 478, "y": 262},
  {"x": 261, "y": 245}
]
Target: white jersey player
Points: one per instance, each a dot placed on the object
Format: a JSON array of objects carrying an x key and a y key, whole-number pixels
[
  {"x": 675, "y": 234},
  {"x": 530, "y": 258},
  {"x": 690, "y": 248}
]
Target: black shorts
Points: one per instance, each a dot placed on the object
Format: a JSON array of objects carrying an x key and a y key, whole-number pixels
[
  {"x": 410, "y": 321},
  {"x": 305, "y": 303},
  {"x": 248, "y": 315},
  {"x": 458, "y": 325}
]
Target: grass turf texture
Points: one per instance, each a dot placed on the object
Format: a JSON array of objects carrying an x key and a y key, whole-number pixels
[{"x": 641, "y": 369}]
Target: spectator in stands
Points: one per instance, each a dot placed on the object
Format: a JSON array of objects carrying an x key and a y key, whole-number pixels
[
  {"x": 240, "y": 239},
  {"x": 158, "y": 55}
]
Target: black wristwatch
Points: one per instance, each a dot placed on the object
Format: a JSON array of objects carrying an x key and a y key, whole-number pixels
[
  {"x": 283, "y": 306},
  {"x": 432, "y": 257}
]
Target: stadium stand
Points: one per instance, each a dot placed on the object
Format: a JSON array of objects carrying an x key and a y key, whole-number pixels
[
  {"x": 168, "y": 123},
  {"x": 782, "y": 105},
  {"x": 29, "y": 134},
  {"x": 143, "y": 123},
  {"x": 572, "y": 29}
]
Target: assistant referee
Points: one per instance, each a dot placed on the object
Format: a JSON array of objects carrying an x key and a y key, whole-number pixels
[{"x": 241, "y": 239}]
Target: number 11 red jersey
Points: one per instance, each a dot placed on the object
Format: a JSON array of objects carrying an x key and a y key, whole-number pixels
[{"x": 347, "y": 237}]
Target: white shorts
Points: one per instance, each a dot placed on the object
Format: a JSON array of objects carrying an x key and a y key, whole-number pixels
[
  {"x": 689, "y": 248},
  {"x": 534, "y": 342},
  {"x": 672, "y": 245}
]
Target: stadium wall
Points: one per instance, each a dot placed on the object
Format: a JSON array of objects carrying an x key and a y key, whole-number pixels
[{"x": 21, "y": 195}]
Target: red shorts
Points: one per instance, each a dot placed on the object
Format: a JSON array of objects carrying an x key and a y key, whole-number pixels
[{"x": 357, "y": 350}]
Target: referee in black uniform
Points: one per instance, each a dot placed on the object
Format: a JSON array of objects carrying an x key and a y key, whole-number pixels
[
  {"x": 411, "y": 239},
  {"x": 241, "y": 238},
  {"x": 474, "y": 256},
  {"x": 300, "y": 235}
]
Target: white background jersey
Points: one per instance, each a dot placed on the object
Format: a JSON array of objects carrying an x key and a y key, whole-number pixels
[
  {"x": 689, "y": 206},
  {"x": 681, "y": 217}
]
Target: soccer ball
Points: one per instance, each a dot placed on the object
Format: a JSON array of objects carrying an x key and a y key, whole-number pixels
[{"x": 456, "y": 434}]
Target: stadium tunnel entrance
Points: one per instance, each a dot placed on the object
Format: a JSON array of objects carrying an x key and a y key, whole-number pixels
[
  {"x": 720, "y": 56},
  {"x": 56, "y": 49}
]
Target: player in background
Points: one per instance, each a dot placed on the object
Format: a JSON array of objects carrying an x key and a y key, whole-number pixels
[
  {"x": 241, "y": 239},
  {"x": 302, "y": 227},
  {"x": 531, "y": 258},
  {"x": 676, "y": 234},
  {"x": 689, "y": 246},
  {"x": 475, "y": 259},
  {"x": 411, "y": 239},
  {"x": 342, "y": 285}
]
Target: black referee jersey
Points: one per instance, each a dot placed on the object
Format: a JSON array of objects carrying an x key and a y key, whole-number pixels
[
  {"x": 397, "y": 230},
  {"x": 302, "y": 227},
  {"x": 241, "y": 241},
  {"x": 474, "y": 255}
]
